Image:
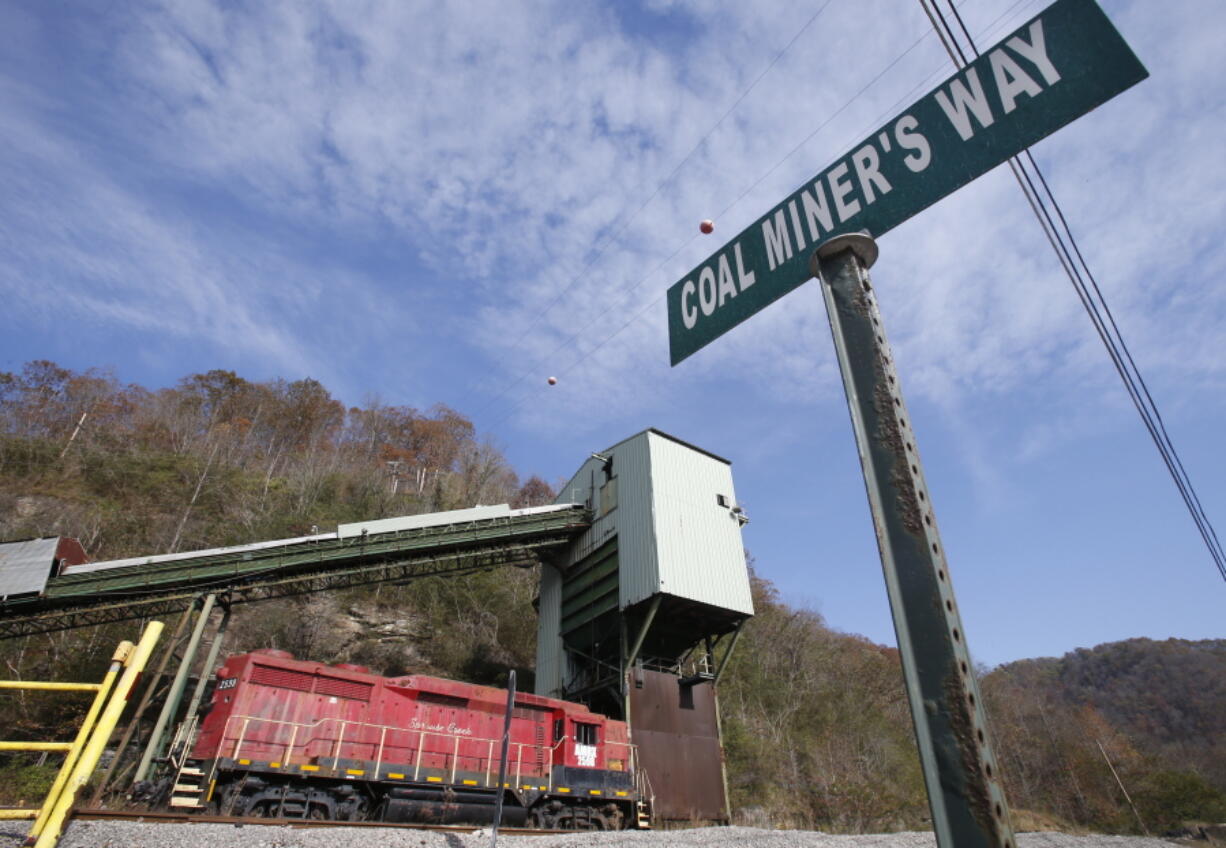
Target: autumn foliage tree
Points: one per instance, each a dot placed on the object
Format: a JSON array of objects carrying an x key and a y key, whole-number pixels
[
  {"x": 218, "y": 459},
  {"x": 816, "y": 724}
]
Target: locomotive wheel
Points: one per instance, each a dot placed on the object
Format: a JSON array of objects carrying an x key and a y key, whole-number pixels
[
  {"x": 582, "y": 818},
  {"x": 318, "y": 813}
]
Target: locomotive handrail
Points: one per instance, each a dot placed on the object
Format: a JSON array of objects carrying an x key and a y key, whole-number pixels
[{"x": 631, "y": 755}]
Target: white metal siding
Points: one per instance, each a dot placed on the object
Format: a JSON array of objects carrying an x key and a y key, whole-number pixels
[
  {"x": 701, "y": 555},
  {"x": 672, "y": 537},
  {"x": 25, "y": 566},
  {"x": 429, "y": 519},
  {"x": 636, "y": 544},
  {"x": 550, "y": 658}
]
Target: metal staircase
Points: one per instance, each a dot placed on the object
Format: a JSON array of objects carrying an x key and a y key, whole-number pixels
[{"x": 189, "y": 783}]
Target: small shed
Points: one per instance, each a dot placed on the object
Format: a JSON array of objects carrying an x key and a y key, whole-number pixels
[{"x": 25, "y": 566}]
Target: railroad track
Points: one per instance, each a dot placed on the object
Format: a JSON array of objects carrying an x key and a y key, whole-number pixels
[{"x": 90, "y": 814}]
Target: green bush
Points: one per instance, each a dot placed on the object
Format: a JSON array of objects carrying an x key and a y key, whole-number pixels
[
  {"x": 1166, "y": 799},
  {"x": 24, "y": 783}
]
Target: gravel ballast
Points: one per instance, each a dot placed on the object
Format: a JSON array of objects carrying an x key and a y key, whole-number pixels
[{"x": 117, "y": 834}]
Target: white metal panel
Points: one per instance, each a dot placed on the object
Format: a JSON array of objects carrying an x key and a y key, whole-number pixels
[
  {"x": 701, "y": 554},
  {"x": 673, "y": 536},
  {"x": 104, "y": 565},
  {"x": 539, "y": 510},
  {"x": 429, "y": 519},
  {"x": 25, "y": 566},
  {"x": 550, "y": 656},
  {"x": 636, "y": 544}
]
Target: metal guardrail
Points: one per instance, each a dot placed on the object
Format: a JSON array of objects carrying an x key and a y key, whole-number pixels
[
  {"x": 451, "y": 760},
  {"x": 85, "y": 750}
]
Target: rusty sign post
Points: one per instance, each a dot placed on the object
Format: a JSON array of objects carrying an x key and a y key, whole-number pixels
[
  {"x": 964, "y": 792},
  {"x": 502, "y": 760},
  {"x": 1062, "y": 63}
]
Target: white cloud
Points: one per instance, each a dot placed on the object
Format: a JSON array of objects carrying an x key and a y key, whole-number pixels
[
  {"x": 78, "y": 244},
  {"x": 511, "y": 147}
]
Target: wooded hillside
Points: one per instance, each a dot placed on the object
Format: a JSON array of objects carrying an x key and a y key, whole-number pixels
[
  {"x": 816, "y": 723},
  {"x": 1153, "y": 711}
]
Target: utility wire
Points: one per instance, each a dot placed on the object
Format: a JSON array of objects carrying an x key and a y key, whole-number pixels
[
  {"x": 906, "y": 98},
  {"x": 1107, "y": 328},
  {"x": 574, "y": 336},
  {"x": 612, "y": 239}
]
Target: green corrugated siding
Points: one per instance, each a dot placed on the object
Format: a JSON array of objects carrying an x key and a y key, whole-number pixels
[{"x": 590, "y": 587}]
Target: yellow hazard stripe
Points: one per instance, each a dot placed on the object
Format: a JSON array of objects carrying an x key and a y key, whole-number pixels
[
  {"x": 470, "y": 783},
  {"x": 593, "y": 792},
  {"x": 274, "y": 765},
  {"x": 395, "y": 775},
  {"x": 358, "y": 772},
  {"x": 563, "y": 789},
  {"x": 309, "y": 768},
  {"x": 434, "y": 779}
]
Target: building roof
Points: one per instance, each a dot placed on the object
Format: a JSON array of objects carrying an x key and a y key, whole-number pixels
[
  {"x": 25, "y": 566},
  {"x": 672, "y": 438}
]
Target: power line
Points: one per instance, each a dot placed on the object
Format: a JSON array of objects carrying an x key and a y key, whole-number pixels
[
  {"x": 906, "y": 98},
  {"x": 570, "y": 339},
  {"x": 612, "y": 239},
  {"x": 1092, "y": 298}
]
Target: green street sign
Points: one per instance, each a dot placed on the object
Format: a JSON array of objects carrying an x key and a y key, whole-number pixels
[{"x": 1053, "y": 69}]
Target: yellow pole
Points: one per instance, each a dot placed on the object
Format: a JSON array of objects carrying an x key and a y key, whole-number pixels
[
  {"x": 117, "y": 660},
  {"x": 97, "y": 741},
  {"x": 50, "y": 686},
  {"x": 35, "y": 746}
]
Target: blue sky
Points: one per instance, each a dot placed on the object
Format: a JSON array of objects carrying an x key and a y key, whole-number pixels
[{"x": 425, "y": 202}]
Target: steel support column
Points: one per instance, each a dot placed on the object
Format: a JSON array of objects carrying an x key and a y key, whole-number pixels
[
  {"x": 960, "y": 771},
  {"x": 647, "y": 620},
  {"x": 175, "y": 696},
  {"x": 723, "y": 663},
  {"x": 134, "y": 722},
  {"x": 206, "y": 671}
]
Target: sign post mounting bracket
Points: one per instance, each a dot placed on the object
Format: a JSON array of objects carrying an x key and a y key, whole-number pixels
[{"x": 960, "y": 770}]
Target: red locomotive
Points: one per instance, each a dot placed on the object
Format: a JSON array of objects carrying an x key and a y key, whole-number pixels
[{"x": 286, "y": 738}]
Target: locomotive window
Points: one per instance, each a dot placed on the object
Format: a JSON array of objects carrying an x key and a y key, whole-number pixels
[
  {"x": 559, "y": 730},
  {"x": 585, "y": 734}
]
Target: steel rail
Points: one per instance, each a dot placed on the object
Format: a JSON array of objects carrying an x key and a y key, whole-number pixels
[{"x": 99, "y": 814}]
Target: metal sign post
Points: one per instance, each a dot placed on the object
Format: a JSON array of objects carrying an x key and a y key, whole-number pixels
[
  {"x": 1057, "y": 66},
  {"x": 960, "y": 770},
  {"x": 502, "y": 759},
  {"x": 1062, "y": 63}
]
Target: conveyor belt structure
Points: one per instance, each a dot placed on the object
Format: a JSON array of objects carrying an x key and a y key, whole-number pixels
[{"x": 385, "y": 550}]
